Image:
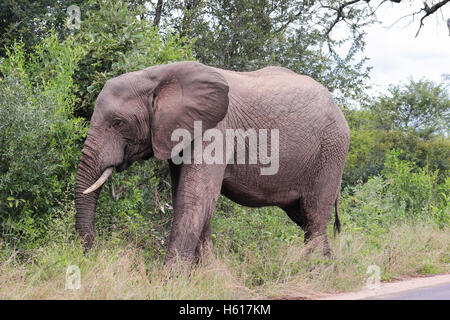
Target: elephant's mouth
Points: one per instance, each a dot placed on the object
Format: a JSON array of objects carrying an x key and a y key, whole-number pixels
[
  {"x": 124, "y": 165},
  {"x": 129, "y": 159}
]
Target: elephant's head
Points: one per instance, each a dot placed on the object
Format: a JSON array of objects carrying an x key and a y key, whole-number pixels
[{"x": 134, "y": 117}]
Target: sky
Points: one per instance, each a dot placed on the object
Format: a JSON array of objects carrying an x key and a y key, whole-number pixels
[{"x": 396, "y": 54}]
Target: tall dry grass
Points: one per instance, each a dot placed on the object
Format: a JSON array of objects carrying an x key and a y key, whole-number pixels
[{"x": 286, "y": 271}]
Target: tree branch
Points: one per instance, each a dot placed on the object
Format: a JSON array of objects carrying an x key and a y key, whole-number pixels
[
  {"x": 290, "y": 20},
  {"x": 341, "y": 16},
  {"x": 429, "y": 11}
]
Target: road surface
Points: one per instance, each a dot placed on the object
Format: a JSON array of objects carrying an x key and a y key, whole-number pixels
[
  {"x": 424, "y": 288},
  {"x": 438, "y": 292}
]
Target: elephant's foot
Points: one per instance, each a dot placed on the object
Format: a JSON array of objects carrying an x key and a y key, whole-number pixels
[
  {"x": 317, "y": 242},
  {"x": 203, "y": 250},
  {"x": 176, "y": 261},
  {"x": 183, "y": 262}
]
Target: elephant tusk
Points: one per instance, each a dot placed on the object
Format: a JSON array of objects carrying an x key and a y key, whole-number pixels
[{"x": 105, "y": 175}]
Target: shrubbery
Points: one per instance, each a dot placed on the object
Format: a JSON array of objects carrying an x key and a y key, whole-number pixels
[
  {"x": 369, "y": 147},
  {"x": 40, "y": 139},
  {"x": 118, "y": 41},
  {"x": 403, "y": 192}
]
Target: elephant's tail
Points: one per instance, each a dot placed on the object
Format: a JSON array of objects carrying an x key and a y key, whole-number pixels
[{"x": 337, "y": 222}]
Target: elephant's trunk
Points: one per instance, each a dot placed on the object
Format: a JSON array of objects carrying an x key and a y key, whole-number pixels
[{"x": 88, "y": 173}]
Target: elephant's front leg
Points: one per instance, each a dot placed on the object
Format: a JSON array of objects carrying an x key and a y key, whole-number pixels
[
  {"x": 195, "y": 199},
  {"x": 204, "y": 246}
]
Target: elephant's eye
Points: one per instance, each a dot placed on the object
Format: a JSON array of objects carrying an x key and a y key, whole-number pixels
[
  {"x": 153, "y": 100},
  {"x": 116, "y": 123}
]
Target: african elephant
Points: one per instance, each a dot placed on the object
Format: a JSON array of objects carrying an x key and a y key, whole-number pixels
[{"x": 137, "y": 113}]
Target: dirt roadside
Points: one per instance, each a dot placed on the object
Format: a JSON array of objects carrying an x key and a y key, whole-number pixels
[{"x": 391, "y": 288}]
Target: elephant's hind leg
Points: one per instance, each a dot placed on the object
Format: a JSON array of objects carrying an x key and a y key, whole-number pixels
[
  {"x": 309, "y": 220},
  {"x": 318, "y": 199},
  {"x": 317, "y": 213}
]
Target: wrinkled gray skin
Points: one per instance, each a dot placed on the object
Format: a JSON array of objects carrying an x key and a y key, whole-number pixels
[{"x": 136, "y": 113}]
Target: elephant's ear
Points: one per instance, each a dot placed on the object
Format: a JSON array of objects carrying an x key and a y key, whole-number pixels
[{"x": 185, "y": 92}]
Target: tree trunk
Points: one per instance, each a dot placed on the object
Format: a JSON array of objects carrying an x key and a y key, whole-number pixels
[{"x": 158, "y": 13}]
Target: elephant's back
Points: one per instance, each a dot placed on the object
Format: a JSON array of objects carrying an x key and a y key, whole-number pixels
[
  {"x": 284, "y": 99},
  {"x": 279, "y": 87}
]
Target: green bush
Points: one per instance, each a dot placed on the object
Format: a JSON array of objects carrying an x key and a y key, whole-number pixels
[
  {"x": 402, "y": 193},
  {"x": 118, "y": 41},
  {"x": 369, "y": 147},
  {"x": 248, "y": 229},
  {"x": 421, "y": 107},
  {"x": 136, "y": 206},
  {"x": 40, "y": 140}
]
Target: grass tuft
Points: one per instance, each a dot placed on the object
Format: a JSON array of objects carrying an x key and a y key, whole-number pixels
[{"x": 288, "y": 270}]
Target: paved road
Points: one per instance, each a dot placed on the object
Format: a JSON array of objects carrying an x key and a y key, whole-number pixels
[
  {"x": 419, "y": 288},
  {"x": 438, "y": 292}
]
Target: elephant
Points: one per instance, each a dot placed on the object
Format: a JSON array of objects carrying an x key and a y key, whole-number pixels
[{"x": 136, "y": 114}]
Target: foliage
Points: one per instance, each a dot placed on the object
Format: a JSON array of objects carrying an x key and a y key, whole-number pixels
[
  {"x": 413, "y": 117},
  {"x": 137, "y": 206},
  {"x": 40, "y": 139},
  {"x": 247, "y": 35},
  {"x": 368, "y": 149},
  {"x": 256, "y": 230},
  {"x": 404, "y": 192},
  {"x": 421, "y": 107},
  {"x": 116, "y": 42},
  {"x": 30, "y": 20}
]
